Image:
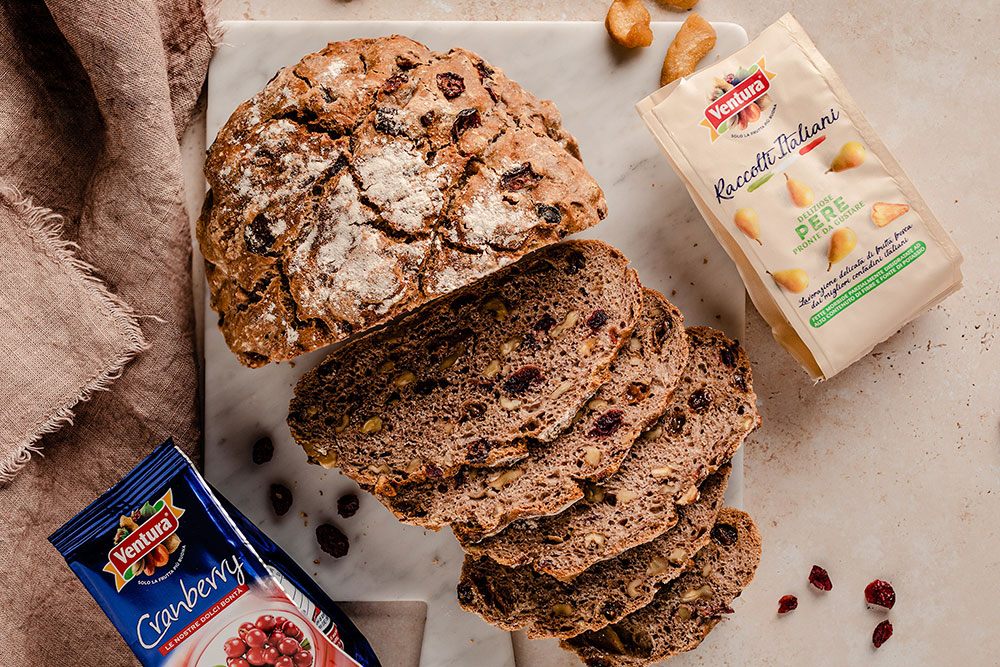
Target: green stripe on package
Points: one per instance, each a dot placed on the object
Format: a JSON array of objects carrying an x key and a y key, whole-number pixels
[{"x": 872, "y": 281}]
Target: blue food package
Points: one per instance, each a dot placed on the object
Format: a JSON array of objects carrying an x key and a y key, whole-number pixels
[{"x": 189, "y": 581}]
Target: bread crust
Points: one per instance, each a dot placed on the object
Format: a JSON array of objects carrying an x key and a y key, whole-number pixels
[
  {"x": 711, "y": 413},
  {"x": 673, "y": 623},
  {"x": 516, "y": 598},
  {"x": 554, "y": 474},
  {"x": 469, "y": 379},
  {"x": 371, "y": 177}
]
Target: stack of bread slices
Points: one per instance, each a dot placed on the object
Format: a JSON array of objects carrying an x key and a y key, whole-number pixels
[{"x": 574, "y": 435}]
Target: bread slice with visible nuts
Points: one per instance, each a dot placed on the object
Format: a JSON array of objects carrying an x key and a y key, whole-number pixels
[
  {"x": 515, "y": 598},
  {"x": 643, "y": 377},
  {"x": 710, "y": 414},
  {"x": 468, "y": 379},
  {"x": 685, "y": 610}
]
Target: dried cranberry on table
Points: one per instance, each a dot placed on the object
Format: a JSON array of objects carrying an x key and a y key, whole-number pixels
[
  {"x": 819, "y": 578},
  {"x": 263, "y": 450},
  {"x": 332, "y": 541},
  {"x": 787, "y": 603},
  {"x": 882, "y": 633},
  {"x": 347, "y": 505},
  {"x": 880, "y": 593},
  {"x": 281, "y": 499}
]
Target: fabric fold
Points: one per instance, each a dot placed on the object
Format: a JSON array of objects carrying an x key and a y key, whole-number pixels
[
  {"x": 63, "y": 335},
  {"x": 93, "y": 98}
]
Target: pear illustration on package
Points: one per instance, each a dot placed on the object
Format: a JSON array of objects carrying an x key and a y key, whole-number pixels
[
  {"x": 802, "y": 194},
  {"x": 813, "y": 264},
  {"x": 842, "y": 242},
  {"x": 851, "y": 155}
]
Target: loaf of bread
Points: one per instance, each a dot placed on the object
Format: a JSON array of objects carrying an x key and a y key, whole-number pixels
[
  {"x": 710, "y": 415},
  {"x": 643, "y": 378},
  {"x": 371, "y": 177},
  {"x": 469, "y": 379},
  {"x": 514, "y": 598},
  {"x": 685, "y": 610}
]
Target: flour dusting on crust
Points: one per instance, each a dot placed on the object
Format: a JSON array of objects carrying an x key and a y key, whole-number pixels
[{"x": 368, "y": 178}]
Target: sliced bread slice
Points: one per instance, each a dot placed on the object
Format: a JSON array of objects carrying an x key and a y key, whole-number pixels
[
  {"x": 483, "y": 501},
  {"x": 467, "y": 379},
  {"x": 710, "y": 414},
  {"x": 686, "y": 609},
  {"x": 515, "y": 598}
]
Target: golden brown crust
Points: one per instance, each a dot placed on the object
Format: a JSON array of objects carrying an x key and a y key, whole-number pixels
[{"x": 371, "y": 177}]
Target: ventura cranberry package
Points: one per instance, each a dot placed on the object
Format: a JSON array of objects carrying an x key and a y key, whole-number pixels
[{"x": 188, "y": 580}]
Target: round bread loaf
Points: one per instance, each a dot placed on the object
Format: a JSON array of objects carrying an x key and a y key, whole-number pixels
[{"x": 371, "y": 177}]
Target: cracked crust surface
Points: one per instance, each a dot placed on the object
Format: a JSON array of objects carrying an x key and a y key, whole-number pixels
[
  {"x": 374, "y": 176},
  {"x": 643, "y": 377}
]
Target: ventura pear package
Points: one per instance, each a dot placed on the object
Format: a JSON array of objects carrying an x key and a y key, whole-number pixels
[{"x": 836, "y": 247}]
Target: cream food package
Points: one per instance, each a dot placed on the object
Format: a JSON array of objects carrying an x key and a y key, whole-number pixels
[{"x": 836, "y": 247}]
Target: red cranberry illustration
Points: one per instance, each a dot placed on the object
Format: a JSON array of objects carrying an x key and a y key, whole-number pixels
[
  {"x": 246, "y": 627},
  {"x": 271, "y": 655},
  {"x": 288, "y": 646},
  {"x": 284, "y": 661},
  {"x": 234, "y": 648},
  {"x": 255, "y": 656},
  {"x": 303, "y": 659},
  {"x": 266, "y": 623},
  {"x": 255, "y": 638},
  {"x": 293, "y": 631}
]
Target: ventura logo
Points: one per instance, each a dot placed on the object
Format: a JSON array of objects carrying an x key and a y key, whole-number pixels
[
  {"x": 140, "y": 542},
  {"x": 721, "y": 110}
]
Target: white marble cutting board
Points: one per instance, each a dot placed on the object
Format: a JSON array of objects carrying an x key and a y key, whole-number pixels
[{"x": 595, "y": 85}]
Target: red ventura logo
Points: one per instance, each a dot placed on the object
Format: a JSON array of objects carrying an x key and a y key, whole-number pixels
[
  {"x": 757, "y": 83},
  {"x": 140, "y": 542}
]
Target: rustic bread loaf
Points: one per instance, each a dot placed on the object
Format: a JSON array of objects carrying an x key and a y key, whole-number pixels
[
  {"x": 686, "y": 609},
  {"x": 643, "y": 377},
  {"x": 371, "y": 177},
  {"x": 515, "y": 598},
  {"x": 468, "y": 379},
  {"x": 710, "y": 414}
]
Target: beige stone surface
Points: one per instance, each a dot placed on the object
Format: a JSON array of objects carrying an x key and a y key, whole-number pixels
[{"x": 891, "y": 469}]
